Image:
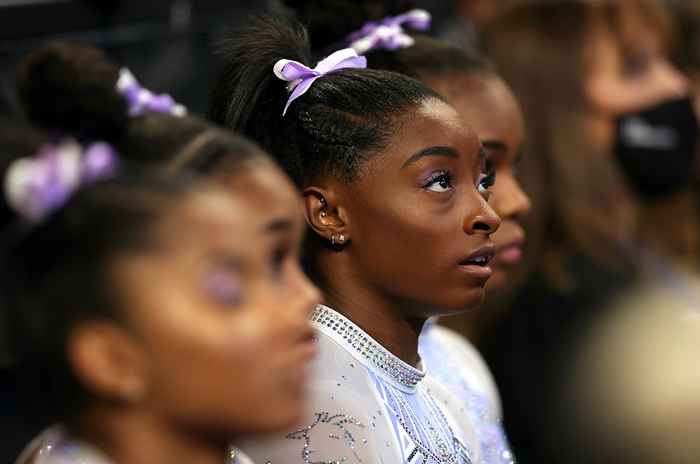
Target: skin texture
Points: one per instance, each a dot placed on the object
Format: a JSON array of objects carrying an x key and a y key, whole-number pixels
[
  {"x": 215, "y": 336},
  {"x": 409, "y": 230},
  {"x": 489, "y": 106}
]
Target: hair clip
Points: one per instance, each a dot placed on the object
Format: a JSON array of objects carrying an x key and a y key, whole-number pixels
[
  {"x": 388, "y": 34},
  {"x": 301, "y": 77},
  {"x": 39, "y": 185},
  {"x": 141, "y": 100}
]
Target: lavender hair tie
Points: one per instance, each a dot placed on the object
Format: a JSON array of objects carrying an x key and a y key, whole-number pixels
[
  {"x": 301, "y": 77},
  {"x": 37, "y": 186},
  {"x": 141, "y": 100},
  {"x": 388, "y": 34}
]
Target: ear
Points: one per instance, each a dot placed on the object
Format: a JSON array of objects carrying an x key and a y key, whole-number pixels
[
  {"x": 108, "y": 361},
  {"x": 325, "y": 213}
]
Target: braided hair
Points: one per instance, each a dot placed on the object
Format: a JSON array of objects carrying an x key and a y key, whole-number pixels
[{"x": 341, "y": 121}]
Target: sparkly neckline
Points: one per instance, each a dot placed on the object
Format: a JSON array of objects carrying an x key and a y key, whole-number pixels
[{"x": 366, "y": 348}]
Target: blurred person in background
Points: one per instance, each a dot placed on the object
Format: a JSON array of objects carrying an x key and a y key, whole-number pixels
[
  {"x": 591, "y": 76},
  {"x": 71, "y": 88},
  {"x": 134, "y": 372},
  {"x": 632, "y": 388}
]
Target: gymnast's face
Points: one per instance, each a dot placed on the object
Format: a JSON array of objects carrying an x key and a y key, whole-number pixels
[
  {"x": 418, "y": 218},
  {"x": 219, "y": 311},
  {"x": 488, "y": 105}
]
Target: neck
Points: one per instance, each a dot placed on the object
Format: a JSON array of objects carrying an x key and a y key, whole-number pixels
[
  {"x": 380, "y": 316},
  {"x": 670, "y": 227},
  {"x": 137, "y": 437}
]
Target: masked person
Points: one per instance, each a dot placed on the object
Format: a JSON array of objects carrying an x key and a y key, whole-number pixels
[{"x": 599, "y": 96}]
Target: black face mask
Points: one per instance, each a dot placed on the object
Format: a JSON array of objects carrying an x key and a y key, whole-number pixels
[{"x": 656, "y": 147}]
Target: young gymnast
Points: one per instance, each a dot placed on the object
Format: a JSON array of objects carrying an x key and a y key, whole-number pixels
[
  {"x": 217, "y": 348},
  {"x": 395, "y": 188},
  {"x": 396, "y": 40}
]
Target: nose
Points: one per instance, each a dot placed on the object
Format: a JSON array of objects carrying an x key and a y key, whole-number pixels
[
  {"x": 509, "y": 199},
  {"x": 483, "y": 219}
]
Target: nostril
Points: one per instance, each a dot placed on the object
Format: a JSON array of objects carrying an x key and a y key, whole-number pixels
[{"x": 481, "y": 226}]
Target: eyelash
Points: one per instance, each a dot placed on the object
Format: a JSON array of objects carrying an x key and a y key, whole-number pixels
[
  {"x": 487, "y": 182},
  {"x": 439, "y": 177},
  {"x": 487, "y": 179}
]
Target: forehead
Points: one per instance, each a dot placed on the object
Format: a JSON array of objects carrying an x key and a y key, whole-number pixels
[
  {"x": 433, "y": 123},
  {"x": 211, "y": 218},
  {"x": 487, "y": 104},
  {"x": 265, "y": 189}
]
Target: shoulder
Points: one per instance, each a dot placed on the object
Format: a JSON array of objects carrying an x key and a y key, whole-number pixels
[
  {"x": 448, "y": 355},
  {"x": 38, "y": 450}
]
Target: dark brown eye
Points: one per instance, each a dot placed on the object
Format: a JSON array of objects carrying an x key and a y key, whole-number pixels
[{"x": 439, "y": 182}]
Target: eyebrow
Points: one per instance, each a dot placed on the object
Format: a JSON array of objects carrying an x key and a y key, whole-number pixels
[
  {"x": 278, "y": 225},
  {"x": 495, "y": 145},
  {"x": 431, "y": 151},
  {"x": 228, "y": 259}
]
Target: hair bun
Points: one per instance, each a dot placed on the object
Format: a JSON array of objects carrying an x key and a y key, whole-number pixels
[{"x": 71, "y": 87}]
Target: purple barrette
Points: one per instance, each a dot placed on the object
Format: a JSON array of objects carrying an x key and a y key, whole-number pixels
[
  {"x": 301, "y": 77},
  {"x": 388, "y": 34},
  {"x": 37, "y": 186},
  {"x": 142, "y": 100}
]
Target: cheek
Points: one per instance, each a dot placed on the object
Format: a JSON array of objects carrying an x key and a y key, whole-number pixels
[
  {"x": 387, "y": 233},
  {"x": 411, "y": 249},
  {"x": 221, "y": 372}
]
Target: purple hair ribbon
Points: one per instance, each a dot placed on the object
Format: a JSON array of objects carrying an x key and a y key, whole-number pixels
[
  {"x": 37, "y": 186},
  {"x": 141, "y": 100},
  {"x": 388, "y": 34},
  {"x": 301, "y": 77}
]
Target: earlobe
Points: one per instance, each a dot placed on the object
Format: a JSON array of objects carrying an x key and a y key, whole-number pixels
[
  {"x": 108, "y": 361},
  {"x": 325, "y": 215}
]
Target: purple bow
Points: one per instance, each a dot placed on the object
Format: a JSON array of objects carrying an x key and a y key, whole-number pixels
[
  {"x": 388, "y": 34},
  {"x": 36, "y": 186},
  {"x": 301, "y": 77},
  {"x": 142, "y": 100}
]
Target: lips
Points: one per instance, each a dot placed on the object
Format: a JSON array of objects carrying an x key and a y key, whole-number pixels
[
  {"x": 476, "y": 266},
  {"x": 510, "y": 253},
  {"x": 481, "y": 257}
]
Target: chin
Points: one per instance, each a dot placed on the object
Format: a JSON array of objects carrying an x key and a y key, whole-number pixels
[{"x": 463, "y": 303}]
